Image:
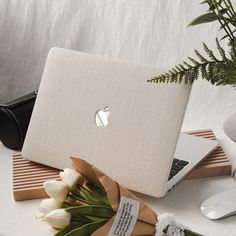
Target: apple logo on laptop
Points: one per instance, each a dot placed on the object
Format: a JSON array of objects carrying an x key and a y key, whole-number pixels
[{"x": 101, "y": 117}]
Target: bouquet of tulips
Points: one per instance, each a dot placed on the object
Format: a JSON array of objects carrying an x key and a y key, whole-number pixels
[{"x": 88, "y": 202}]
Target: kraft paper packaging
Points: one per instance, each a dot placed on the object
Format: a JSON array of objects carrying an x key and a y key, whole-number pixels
[{"x": 147, "y": 218}]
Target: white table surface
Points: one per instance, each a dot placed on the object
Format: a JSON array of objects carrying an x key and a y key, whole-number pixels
[
  {"x": 207, "y": 109},
  {"x": 18, "y": 218}
]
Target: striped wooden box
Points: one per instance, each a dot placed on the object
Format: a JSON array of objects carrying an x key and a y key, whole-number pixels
[
  {"x": 28, "y": 176},
  {"x": 216, "y": 164}
]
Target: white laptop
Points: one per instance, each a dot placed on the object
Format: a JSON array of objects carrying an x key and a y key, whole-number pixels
[{"x": 104, "y": 111}]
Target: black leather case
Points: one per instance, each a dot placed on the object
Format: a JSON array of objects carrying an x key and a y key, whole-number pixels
[{"x": 14, "y": 120}]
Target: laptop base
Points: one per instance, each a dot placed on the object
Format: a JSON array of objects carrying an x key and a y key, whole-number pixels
[{"x": 190, "y": 151}]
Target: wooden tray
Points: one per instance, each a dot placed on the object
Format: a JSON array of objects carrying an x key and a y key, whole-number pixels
[
  {"x": 28, "y": 176},
  {"x": 216, "y": 164}
]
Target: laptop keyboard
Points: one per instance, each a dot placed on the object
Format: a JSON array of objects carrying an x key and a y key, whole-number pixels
[{"x": 177, "y": 166}]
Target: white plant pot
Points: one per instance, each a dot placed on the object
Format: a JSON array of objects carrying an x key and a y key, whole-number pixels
[{"x": 230, "y": 127}]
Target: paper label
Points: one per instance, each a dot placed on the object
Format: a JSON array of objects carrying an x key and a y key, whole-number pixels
[{"x": 125, "y": 218}]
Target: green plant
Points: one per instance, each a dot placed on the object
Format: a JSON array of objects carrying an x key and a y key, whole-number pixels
[{"x": 217, "y": 70}]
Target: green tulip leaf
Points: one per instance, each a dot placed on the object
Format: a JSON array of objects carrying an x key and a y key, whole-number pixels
[
  {"x": 94, "y": 211},
  {"x": 206, "y": 18},
  {"x": 97, "y": 188},
  {"x": 79, "y": 195},
  {"x": 99, "y": 192},
  {"x": 68, "y": 229},
  {"x": 81, "y": 219},
  {"x": 90, "y": 197},
  {"x": 87, "y": 229}
]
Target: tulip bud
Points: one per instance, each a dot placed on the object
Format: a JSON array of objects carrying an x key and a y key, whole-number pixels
[
  {"x": 58, "y": 219},
  {"x": 57, "y": 190},
  {"x": 48, "y": 205},
  {"x": 71, "y": 177}
]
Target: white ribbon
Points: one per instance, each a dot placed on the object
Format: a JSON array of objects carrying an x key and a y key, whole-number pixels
[{"x": 126, "y": 217}]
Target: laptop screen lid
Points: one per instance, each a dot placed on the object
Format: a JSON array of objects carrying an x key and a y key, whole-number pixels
[{"x": 103, "y": 111}]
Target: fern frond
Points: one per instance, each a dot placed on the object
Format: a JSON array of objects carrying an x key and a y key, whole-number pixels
[
  {"x": 174, "y": 71},
  {"x": 193, "y": 61},
  {"x": 221, "y": 50},
  {"x": 200, "y": 56},
  {"x": 217, "y": 72},
  {"x": 178, "y": 68},
  {"x": 188, "y": 65},
  {"x": 182, "y": 67},
  {"x": 209, "y": 52},
  {"x": 204, "y": 71}
]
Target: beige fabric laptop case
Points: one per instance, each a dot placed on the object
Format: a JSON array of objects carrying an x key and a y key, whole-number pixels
[{"x": 137, "y": 145}]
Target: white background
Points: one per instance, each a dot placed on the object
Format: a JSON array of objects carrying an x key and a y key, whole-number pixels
[{"x": 146, "y": 31}]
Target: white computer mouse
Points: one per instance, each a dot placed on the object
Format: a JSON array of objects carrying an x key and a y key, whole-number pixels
[{"x": 220, "y": 205}]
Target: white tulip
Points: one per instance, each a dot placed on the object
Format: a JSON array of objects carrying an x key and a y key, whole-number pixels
[
  {"x": 57, "y": 190},
  {"x": 48, "y": 205},
  {"x": 71, "y": 177},
  {"x": 58, "y": 219}
]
